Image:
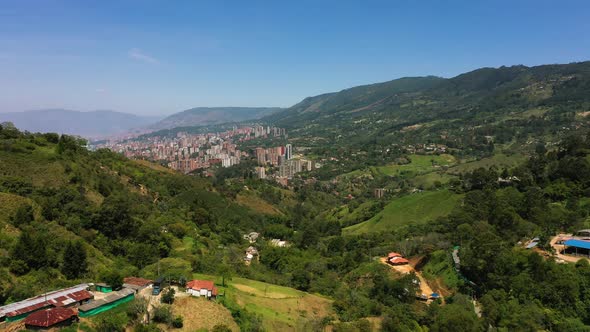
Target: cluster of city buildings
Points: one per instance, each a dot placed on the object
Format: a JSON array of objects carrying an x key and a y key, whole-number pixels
[
  {"x": 282, "y": 160},
  {"x": 188, "y": 152}
]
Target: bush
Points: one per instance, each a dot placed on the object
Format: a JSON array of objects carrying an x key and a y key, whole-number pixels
[
  {"x": 178, "y": 322},
  {"x": 168, "y": 296},
  {"x": 147, "y": 328},
  {"x": 221, "y": 328},
  {"x": 110, "y": 323},
  {"x": 163, "y": 314}
]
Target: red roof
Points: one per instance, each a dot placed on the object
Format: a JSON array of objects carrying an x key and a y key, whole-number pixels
[
  {"x": 81, "y": 295},
  {"x": 30, "y": 308},
  {"x": 393, "y": 254},
  {"x": 50, "y": 317},
  {"x": 398, "y": 260},
  {"x": 137, "y": 281},
  {"x": 200, "y": 284}
]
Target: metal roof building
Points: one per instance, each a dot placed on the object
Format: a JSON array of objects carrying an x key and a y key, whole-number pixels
[
  {"x": 110, "y": 301},
  {"x": 578, "y": 244},
  {"x": 63, "y": 297},
  {"x": 44, "y": 319}
]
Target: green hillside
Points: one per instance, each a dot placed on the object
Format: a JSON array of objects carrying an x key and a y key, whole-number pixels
[
  {"x": 470, "y": 114},
  {"x": 414, "y": 208}
]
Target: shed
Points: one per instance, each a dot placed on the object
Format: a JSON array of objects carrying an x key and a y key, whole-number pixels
[
  {"x": 109, "y": 302},
  {"x": 103, "y": 288},
  {"x": 578, "y": 247},
  {"x": 50, "y": 318}
]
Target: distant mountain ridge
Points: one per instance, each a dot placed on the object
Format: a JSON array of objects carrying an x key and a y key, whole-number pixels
[
  {"x": 87, "y": 124},
  {"x": 465, "y": 110},
  {"x": 203, "y": 116}
]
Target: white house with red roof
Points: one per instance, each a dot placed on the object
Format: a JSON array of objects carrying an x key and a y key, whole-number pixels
[{"x": 204, "y": 288}]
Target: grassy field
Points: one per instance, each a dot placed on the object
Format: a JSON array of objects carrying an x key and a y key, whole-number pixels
[
  {"x": 427, "y": 181},
  {"x": 256, "y": 203},
  {"x": 413, "y": 208},
  {"x": 419, "y": 164},
  {"x": 499, "y": 160},
  {"x": 281, "y": 308}
]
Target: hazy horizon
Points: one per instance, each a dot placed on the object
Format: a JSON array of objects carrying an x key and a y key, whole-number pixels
[{"x": 157, "y": 59}]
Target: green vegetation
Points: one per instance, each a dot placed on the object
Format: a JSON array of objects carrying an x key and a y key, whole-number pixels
[
  {"x": 418, "y": 164},
  {"x": 415, "y": 208},
  {"x": 486, "y": 160}
]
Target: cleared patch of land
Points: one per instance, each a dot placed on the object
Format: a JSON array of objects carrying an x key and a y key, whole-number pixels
[
  {"x": 281, "y": 308},
  {"x": 154, "y": 166},
  {"x": 414, "y": 208},
  {"x": 200, "y": 313}
]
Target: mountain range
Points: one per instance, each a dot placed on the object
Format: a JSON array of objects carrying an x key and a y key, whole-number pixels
[
  {"x": 461, "y": 111},
  {"x": 100, "y": 124},
  {"x": 88, "y": 124}
]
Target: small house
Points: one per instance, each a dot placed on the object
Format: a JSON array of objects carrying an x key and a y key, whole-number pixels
[{"x": 199, "y": 288}]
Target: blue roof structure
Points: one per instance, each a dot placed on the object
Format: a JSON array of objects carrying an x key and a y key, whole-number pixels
[
  {"x": 531, "y": 245},
  {"x": 578, "y": 243}
]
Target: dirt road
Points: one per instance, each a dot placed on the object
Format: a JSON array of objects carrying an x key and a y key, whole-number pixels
[{"x": 425, "y": 289}]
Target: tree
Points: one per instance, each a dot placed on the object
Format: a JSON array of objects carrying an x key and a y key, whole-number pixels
[
  {"x": 225, "y": 273},
  {"x": 168, "y": 295},
  {"x": 23, "y": 216},
  {"x": 113, "y": 279},
  {"x": 75, "y": 263}
]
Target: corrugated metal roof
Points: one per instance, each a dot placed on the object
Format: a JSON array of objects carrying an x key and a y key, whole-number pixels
[
  {"x": 531, "y": 245},
  {"x": 578, "y": 243},
  {"x": 49, "y": 317},
  {"x": 137, "y": 281},
  {"x": 112, "y": 297},
  {"x": 41, "y": 301}
]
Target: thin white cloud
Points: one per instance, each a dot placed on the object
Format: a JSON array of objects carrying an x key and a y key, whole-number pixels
[
  {"x": 100, "y": 90},
  {"x": 137, "y": 54}
]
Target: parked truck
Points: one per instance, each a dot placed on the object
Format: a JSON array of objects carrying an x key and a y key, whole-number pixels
[{"x": 157, "y": 286}]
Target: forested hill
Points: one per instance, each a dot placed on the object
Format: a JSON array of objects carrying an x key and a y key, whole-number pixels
[
  {"x": 502, "y": 102},
  {"x": 126, "y": 215}
]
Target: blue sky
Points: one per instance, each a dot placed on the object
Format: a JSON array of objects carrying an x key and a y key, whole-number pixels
[{"x": 160, "y": 57}]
